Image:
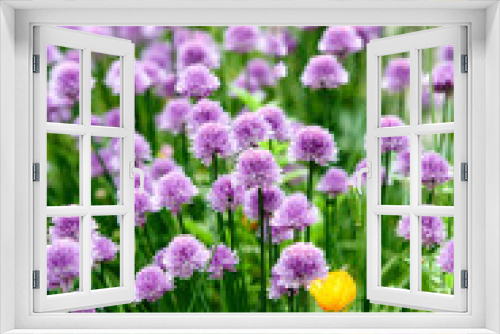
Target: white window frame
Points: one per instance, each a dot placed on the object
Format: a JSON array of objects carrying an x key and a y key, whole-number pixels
[{"x": 484, "y": 47}]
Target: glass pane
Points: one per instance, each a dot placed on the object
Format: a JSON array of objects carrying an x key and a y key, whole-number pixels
[
  {"x": 63, "y": 170},
  {"x": 437, "y": 254},
  {"x": 395, "y": 92},
  {"x": 63, "y": 84},
  {"x": 105, "y": 252},
  {"x": 105, "y": 103},
  {"x": 395, "y": 170},
  {"x": 63, "y": 254},
  {"x": 395, "y": 251},
  {"x": 105, "y": 170},
  {"x": 437, "y": 169},
  {"x": 437, "y": 84}
]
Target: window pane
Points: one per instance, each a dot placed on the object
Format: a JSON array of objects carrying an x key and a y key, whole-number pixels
[
  {"x": 395, "y": 92},
  {"x": 105, "y": 103},
  {"x": 395, "y": 232},
  {"x": 395, "y": 170},
  {"x": 63, "y": 169},
  {"x": 63, "y": 84},
  {"x": 105, "y": 252},
  {"x": 105, "y": 170},
  {"x": 437, "y": 84}
]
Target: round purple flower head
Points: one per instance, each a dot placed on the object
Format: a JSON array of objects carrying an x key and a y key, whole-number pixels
[
  {"x": 442, "y": 77},
  {"x": 295, "y": 212},
  {"x": 402, "y": 165},
  {"x": 363, "y": 164},
  {"x": 151, "y": 283},
  {"x": 324, "y": 72},
  {"x": 397, "y": 75},
  {"x": 446, "y": 257},
  {"x": 275, "y": 117},
  {"x": 334, "y": 182},
  {"x": 274, "y": 44},
  {"x": 249, "y": 128},
  {"x": 142, "y": 150},
  {"x": 174, "y": 116},
  {"x": 159, "y": 53},
  {"x": 241, "y": 38},
  {"x": 197, "y": 51},
  {"x": 446, "y": 53},
  {"x": 53, "y": 54},
  {"x": 173, "y": 190},
  {"x": 426, "y": 94},
  {"x": 211, "y": 139},
  {"x": 396, "y": 144},
  {"x": 257, "y": 168},
  {"x": 367, "y": 33},
  {"x": 298, "y": 265},
  {"x": 103, "y": 249},
  {"x": 273, "y": 198},
  {"x": 142, "y": 203},
  {"x": 435, "y": 170},
  {"x": 432, "y": 230},
  {"x": 196, "y": 81},
  {"x": 166, "y": 88},
  {"x": 65, "y": 80},
  {"x": 162, "y": 166},
  {"x": 63, "y": 264},
  {"x": 65, "y": 227},
  {"x": 261, "y": 74},
  {"x": 184, "y": 255},
  {"x": 112, "y": 117},
  {"x": 226, "y": 194},
  {"x": 58, "y": 109},
  {"x": 222, "y": 259},
  {"x": 206, "y": 111},
  {"x": 142, "y": 79},
  {"x": 340, "y": 41},
  {"x": 313, "y": 143}
]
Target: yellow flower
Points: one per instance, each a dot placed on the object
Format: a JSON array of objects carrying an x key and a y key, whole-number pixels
[{"x": 335, "y": 292}]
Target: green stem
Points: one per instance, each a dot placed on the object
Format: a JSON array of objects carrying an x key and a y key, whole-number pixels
[
  {"x": 309, "y": 195},
  {"x": 387, "y": 165},
  {"x": 184, "y": 148},
  {"x": 262, "y": 251},
  {"x": 230, "y": 222},
  {"x": 290, "y": 302},
  {"x": 327, "y": 228},
  {"x": 181, "y": 224}
]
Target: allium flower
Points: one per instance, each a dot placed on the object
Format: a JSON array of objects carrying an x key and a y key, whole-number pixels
[
  {"x": 174, "y": 116},
  {"x": 226, "y": 194},
  {"x": 63, "y": 264},
  {"x": 432, "y": 230},
  {"x": 273, "y": 43},
  {"x": 152, "y": 32},
  {"x": 142, "y": 203},
  {"x": 402, "y": 165},
  {"x": 363, "y": 164},
  {"x": 183, "y": 35},
  {"x": 334, "y": 182},
  {"x": 58, "y": 109},
  {"x": 426, "y": 94},
  {"x": 65, "y": 80},
  {"x": 53, "y": 54},
  {"x": 435, "y": 170},
  {"x": 103, "y": 249},
  {"x": 197, "y": 52},
  {"x": 335, "y": 292},
  {"x": 156, "y": 74},
  {"x": 241, "y": 38},
  {"x": 213, "y": 139},
  {"x": 96, "y": 168},
  {"x": 340, "y": 41},
  {"x": 313, "y": 143},
  {"x": 206, "y": 111},
  {"x": 367, "y": 33},
  {"x": 298, "y": 265},
  {"x": 295, "y": 212},
  {"x": 173, "y": 190},
  {"x": 324, "y": 72},
  {"x": 151, "y": 283},
  {"x": 249, "y": 128},
  {"x": 196, "y": 81},
  {"x": 167, "y": 88},
  {"x": 142, "y": 79},
  {"x": 160, "y": 53},
  {"x": 273, "y": 198},
  {"x": 134, "y": 33},
  {"x": 184, "y": 255},
  {"x": 260, "y": 73},
  {"x": 257, "y": 168},
  {"x": 446, "y": 257},
  {"x": 162, "y": 166},
  {"x": 65, "y": 227},
  {"x": 222, "y": 259},
  {"x": 276, "y": 118},
  {"x": 442, "y": 78},
  {"x": 446, "y": 53},
  {"x": 396, "y": 144},
  {"x": 142, "y": 150},
  {"x": 148, "y": 182},
  {"x": 112, "y": 117},
  {"x": 397, "y": 75}
]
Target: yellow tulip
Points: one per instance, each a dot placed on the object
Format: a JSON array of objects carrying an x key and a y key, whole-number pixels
[{"x": 335, "y": 292}]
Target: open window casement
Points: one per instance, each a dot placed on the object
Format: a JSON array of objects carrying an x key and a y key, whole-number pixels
[
  {"x": 416, "y": 125},
  {"x": 63, "y": 264}
]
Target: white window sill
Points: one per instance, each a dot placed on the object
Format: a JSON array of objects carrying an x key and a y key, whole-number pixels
[{"x": 251, "y": 331}]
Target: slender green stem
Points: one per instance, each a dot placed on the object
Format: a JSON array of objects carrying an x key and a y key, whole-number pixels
[
  {"x": 290, "y": 302},
  {"x": 327, "y": 228},
  {"x": 309, "y": 195},
  {"x": 262, "y": 251},
  {"x": 184, "y": 149},
  {"x": 181, "y": 224},
  {"x": 387, "y": 166},
  {"x": 230, "y": 223}
]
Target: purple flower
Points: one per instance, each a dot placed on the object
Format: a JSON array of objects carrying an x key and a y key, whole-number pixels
[
  {"x": 222, "y": 259},
  {"x": 159, "y": 53},
  {"x": 197, "y": 52},
  {"x": 367, "y": 33},
  {"x": 206, "y": 111},
  {"x": 313, "y": 143},
  {"x": 435, "y": 170},
  {"x": 162, "y": 166},
  {"x": 153, "y": 32},
  {"x": 65, "y": 80},
  {"x": 426, "y": 94},
  {"x": 65, "y": 227},
  {"x": 142, "y": 79},
  {"x": 260, "y": 73},
  {"x": 58, "y": 109},
  {"x": 324, "y": 72},
  {"x": 334, "y": 182},
  {"x": 295, "y": 212},
  {"x": 298, "y": 265},
  {"x": 173, "y": 190},
  {"x": 396, "y": 144},
  {"x": 257, "y": 168},
  {"x": 63, "y": 264},
  {"x": 148, "y": 182},
  {"x": 184, "y": 255},
  {"x": 174, "y": 116},
  {"x": 446, "y": 53},
  {"x": 275, "y": 117},
  {"x": 273, "y": 198},
  {"x": 142, "y": 203},
  {"x": 362, "y": 164},
  {"x": 274, "y": 43},
  {"x": 402, "y": 165},
  {"x": 53, "y": 54},
  {"x": 241, "y": 38},
  {"x": 157, "y": 75},
  {"x": 151, "y": 283},
  {"x": 446, "y": 257},
  {"x": 212, "y": 139},
  {"x": 226, "y": 194},
  {"x": 196, "y": 81},
  {"x": 112, "y": 118},
  {"x": 166, "y": 88},
  {"x": 250, "y": 128},
  {"x": 397, "y": 75},
  {"x": 442, "y": 78},
  {"x": 96, "y": 168},
  {"x": 340, "y": 41},
  {"x": 432, "y": 230},
  {"x": 134, "y": 33},
  {"x": 142, "y": 150},
  {"x": 103, "y": 249},
  {"x": 182, "y": 35}
]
